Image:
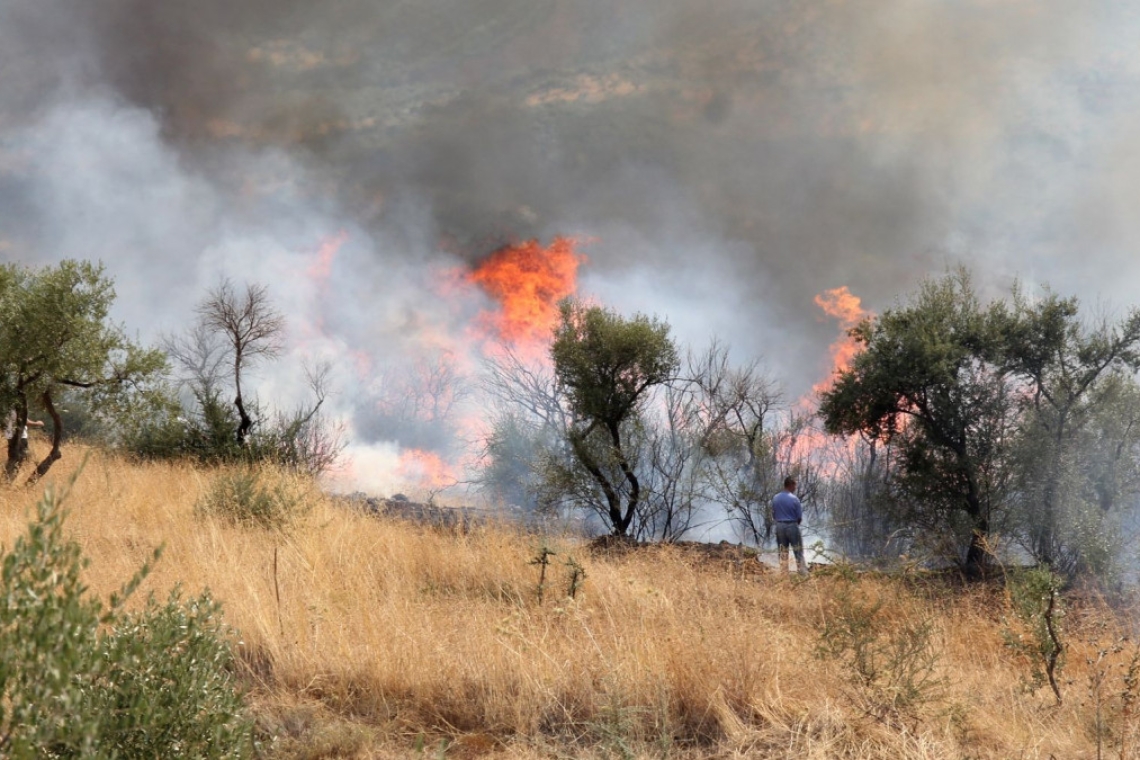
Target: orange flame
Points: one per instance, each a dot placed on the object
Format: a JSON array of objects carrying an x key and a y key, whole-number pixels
[
  {"x": 528, "y": 281},
  {"x": 425, "y": 469},
  {"x": 847, "y": 308}
]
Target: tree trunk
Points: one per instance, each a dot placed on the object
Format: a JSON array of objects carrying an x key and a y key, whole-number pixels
[
  {"x": 17, "y": 444},
  {"x": 977, "y": 555},
  {"x": 613, "y": 503},
  {"x": 56, "y": 439},
  {"x": 631, "y": 478},
  {"x": 244, "y": 421}
]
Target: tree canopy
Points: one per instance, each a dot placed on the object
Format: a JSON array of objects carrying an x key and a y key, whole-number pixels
[
  {"x": 1018, "y": 411},
  {"x": 56, "y": 333},
  {"x": 607, "y": 364},
  {"x": 927, "y": 380}
]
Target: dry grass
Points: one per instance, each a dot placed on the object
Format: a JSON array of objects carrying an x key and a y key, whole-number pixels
[{"x": 394, "y": 640}]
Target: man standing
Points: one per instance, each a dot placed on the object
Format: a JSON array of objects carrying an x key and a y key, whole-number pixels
[
  {"x": 788, "y": 513},
  {"x": 21, "y": 435}
]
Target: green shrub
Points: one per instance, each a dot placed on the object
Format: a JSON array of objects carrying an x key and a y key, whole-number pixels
[
  {"x": 892, "y": 668},
  {"x": 82, "y": 679},
  {"x": 259, "y": 498},
  {"x": 303, "y": 440},
  {"x": 1035, "y": 596},
  {"x": 189, "y": 691}
]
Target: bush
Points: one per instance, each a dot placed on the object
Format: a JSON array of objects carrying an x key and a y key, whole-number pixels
[
  {"x": 892, "y": 667},
  {"x": 189, "y": 691},
  {"x": 81, "y": 679},
  {"x": 1035, "y": 597},
  {"x": 255, "y": 497},
  {"x": 304, "y": 440}
]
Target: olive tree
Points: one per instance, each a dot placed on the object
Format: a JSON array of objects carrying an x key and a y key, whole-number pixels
[
  {"x": 929, "y": 381},
  {"x": 56, "y": 334},
  {"x": 1073, "y": 369},
  {"x": 608, "y": 365}
]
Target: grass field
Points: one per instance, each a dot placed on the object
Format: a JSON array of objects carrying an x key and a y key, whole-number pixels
[{"x": 362, "y": 637}]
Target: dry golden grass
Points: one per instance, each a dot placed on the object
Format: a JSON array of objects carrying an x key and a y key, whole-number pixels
[{"x": 394, "y": 640}]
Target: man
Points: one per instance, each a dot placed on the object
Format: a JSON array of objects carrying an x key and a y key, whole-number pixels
[
  {"x": 10, "y": 432},
  {"x": 788, "y": 513}
]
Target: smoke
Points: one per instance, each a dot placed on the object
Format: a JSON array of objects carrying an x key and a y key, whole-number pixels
[{"x": 729, "y": 160}]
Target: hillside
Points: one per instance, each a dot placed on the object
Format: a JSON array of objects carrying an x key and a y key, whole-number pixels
[{"x": 373, "y": 638}]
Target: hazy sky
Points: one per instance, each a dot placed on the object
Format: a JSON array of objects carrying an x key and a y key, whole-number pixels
[{"x": 729, "y": 160}]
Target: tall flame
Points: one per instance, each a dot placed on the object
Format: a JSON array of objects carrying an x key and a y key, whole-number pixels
[
  {"x": 842, "y": 305},
  {"x": 527, "y": 280}
]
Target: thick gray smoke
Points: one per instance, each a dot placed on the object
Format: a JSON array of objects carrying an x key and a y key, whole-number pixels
[{"x": 730, "y": 159}]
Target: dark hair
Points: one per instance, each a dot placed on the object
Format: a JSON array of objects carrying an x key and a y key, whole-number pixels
[{"x": 789, "y": 482}]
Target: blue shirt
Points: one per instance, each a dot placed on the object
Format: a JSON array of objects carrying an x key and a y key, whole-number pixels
[{"x": 786, "y": 507}]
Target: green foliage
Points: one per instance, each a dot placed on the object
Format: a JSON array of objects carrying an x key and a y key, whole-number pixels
[
  {"x": 55, "y": 333},
  {"x": 168, "y": 666},
  {"x": 1035, "y": 597},
  {"x": 891, "y": 664},
  {"x": 1019, "y": 416},
  {"x": 607, "y": 362},
  {"x": 204, "y": 431},
  {"x": 929, "y": 382},
  {"x": 78, "y": 679},
  {"x": 607, "y": 365},
  {"x": 1076, "y": 372},
  {"x": 254, "y": 497}
]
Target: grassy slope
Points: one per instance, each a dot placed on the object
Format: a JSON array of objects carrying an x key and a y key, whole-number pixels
[{"x": 390, "y": 637}]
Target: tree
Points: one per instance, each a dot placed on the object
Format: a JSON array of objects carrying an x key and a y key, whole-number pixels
[
  {"x": 726, "y": 416},
  {"x": 699, "y": 446},
  {"x": 252, "y": 329},
  {"x": 1065, "y": 362},
  {"x": 608, "y": 365},
  {"x": 56, "y": 334},
  {"x": 927, "y": 379},
  {"x": 234, "y": 330}
]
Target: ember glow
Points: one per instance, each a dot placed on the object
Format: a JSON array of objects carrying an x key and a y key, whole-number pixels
[{"x": 527, "y": 281}]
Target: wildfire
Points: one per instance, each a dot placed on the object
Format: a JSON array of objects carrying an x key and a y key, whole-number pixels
[
  {"x": 320, "y": 269},
  {"x": 527, "y": 280},
  {"x": 842, "y": 305},
  {"x": 425, "y": 469}
]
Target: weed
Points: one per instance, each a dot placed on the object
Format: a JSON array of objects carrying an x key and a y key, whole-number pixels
[
  {"x": 1035, "y": 597},
  {"x": 254, "y": 497},
  {"x": 542, "y": 559},
  {"x": 893, "y": 669},
  {"x": 577, "y": 577}
]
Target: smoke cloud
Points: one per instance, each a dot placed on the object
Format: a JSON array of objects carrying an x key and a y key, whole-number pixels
[{"x": 729, "y": 160}]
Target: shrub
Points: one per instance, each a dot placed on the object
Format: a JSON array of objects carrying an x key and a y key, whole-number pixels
[
  {"x": 189, "y": 691},
  {"x": 82, "y": 679},
  {"x": 303, "y": 440},
  {"x": 1035, "y": 597},
  {"x": 892, "y": 668},
  {"x": 255, "y": 497}
]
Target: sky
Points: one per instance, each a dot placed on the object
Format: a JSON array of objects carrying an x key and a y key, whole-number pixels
[{"x": 722, "y": 162}]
